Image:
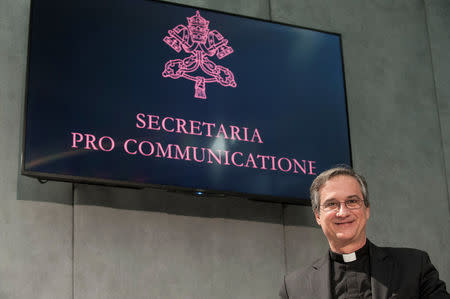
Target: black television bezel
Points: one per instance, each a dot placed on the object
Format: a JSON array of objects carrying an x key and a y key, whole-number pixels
[{"x": 43, "y": 176}]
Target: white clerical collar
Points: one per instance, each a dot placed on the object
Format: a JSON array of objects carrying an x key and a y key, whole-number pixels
[{"x": 349, "y": 257}]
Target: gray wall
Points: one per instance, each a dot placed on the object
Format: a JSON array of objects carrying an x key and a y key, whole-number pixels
[{"x": 59, "y": 240}]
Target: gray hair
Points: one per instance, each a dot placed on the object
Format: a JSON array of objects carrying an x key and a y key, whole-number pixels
[{"x": 325, "y": 176}]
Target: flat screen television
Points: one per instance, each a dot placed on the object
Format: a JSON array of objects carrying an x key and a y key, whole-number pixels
[{"x": 145, "y": 93}]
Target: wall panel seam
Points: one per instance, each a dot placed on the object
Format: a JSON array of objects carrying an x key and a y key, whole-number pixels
[
  {"x": 437, "y": 104},
  {"x": 270, "y": 10}
]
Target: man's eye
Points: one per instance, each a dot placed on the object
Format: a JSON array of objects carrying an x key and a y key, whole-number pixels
[
  {"x": 331, "y": 204},
  {"x": 352, "y": 201}
]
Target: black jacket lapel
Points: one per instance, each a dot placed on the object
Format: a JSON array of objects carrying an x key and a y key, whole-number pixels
[
  {"x": 382, "y": 267},
  {"x": 320, "y": 278}
]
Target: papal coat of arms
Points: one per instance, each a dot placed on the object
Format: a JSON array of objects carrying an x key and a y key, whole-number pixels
[{"x": 201, "y": 43}]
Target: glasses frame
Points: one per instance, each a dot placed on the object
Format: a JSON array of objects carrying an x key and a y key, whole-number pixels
[{"x": 345, "y": 202}]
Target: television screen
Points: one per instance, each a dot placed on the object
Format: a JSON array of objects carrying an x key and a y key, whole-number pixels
[{"x": 151, "y": 94}]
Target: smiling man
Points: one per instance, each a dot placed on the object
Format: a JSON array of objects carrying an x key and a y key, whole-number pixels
[{"x": 354, "y": 267}]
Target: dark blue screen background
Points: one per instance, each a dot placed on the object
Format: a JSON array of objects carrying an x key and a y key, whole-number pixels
[{"x": 93, "y": 65}]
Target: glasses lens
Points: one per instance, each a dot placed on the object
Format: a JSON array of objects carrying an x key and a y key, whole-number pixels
[
  {"x": 353, "y": 203},
  {"x": 331, "y": 205}
]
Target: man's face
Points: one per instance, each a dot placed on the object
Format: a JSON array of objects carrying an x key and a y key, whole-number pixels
[{"x": 342, "y": 227}]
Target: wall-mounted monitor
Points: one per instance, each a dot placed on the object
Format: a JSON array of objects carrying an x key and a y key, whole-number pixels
[{"x": 151, "y": 94}]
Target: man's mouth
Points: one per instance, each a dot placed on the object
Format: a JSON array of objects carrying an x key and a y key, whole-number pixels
[{"x": 344, "y": 222}]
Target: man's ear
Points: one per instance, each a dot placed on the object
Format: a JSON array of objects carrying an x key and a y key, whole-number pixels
[{"x": 316, "y": 213}]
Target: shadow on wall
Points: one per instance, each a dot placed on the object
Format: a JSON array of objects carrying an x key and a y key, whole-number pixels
[{"x": 162, "y": 201}]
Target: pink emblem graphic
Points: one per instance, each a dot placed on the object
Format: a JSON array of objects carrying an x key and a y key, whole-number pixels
[{"x": 200, "y": 42}]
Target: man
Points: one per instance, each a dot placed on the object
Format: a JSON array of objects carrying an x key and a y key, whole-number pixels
[{"x": 354, "y": 267}]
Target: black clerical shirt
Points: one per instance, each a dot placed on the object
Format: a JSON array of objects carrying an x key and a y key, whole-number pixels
[{"x": 350, "y": 274}]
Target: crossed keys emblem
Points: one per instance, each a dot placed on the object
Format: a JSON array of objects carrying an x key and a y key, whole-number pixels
[{"x": 197, "y": 40}]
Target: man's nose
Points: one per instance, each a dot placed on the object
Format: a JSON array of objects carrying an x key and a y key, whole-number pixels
[{"x": 343, "y": 210}]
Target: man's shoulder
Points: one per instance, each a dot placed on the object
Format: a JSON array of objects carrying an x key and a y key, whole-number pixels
[
  {"x": 304, "y": 282},
  {"x": 414, "y": 271},
  {"x": 404, "y": 259},
  {"x": 302, "y": 272},
  {"x": 298, "y": 273},
  {"x": 401, "y": 253}
]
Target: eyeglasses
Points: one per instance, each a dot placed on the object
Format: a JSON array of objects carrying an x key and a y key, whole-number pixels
[{"x": 334, "y": 205}]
